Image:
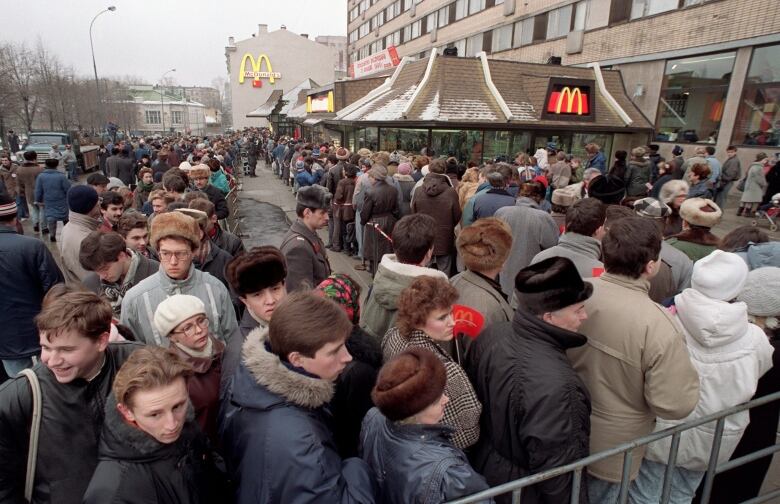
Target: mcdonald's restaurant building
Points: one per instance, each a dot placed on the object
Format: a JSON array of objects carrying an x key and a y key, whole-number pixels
[
  {"x": 278, "y": 61},
  {"x": 476, "y": 109}
]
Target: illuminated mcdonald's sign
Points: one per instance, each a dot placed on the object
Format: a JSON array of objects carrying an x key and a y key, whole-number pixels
[
  {"x": 568, "y": 100},
  {"x": 255, "y": 74}
]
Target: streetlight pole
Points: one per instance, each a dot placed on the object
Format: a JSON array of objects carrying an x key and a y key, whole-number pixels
[
  {"x": 110, "y": 8},
  {"x": 162, "y": 102}
]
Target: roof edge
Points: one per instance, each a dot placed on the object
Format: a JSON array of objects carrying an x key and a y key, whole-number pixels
[
  {"x": 426, "y": 77},
  {"x": 377, "y": 91},
  {"x": 482, "y": 55},
  {"x": 611, "y": 101}
]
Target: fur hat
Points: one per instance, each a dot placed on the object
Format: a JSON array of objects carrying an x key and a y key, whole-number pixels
[
  {"x": 610, "y": 190},
  {"x": 342, "y": 154},
  {"x": 651, "y": 208},
  {"x": 314, "y": 196},
  {"x": 200, "y": 216},
  {"x": 185, "y": 166},
  {"x": 761, "y": 292},
  {"x": 82, "y": 199},
  {"x": 404, "y": 169},
  {"x": 176, "y": 309},
  {"x": 408, "y": 383},
  {"x": 564, "y": 198},
  {"x": 255, "y": 270},
  {"x": 721, "y": 275},
  {"x": 485, "y": 245},
  {"x": 700, "y": 212},
  {"x": 364, "y": 153},
  {"x": 201, "y": 170},
  {"x": 550, "y": 285},
  {"x": 381, "y": 157},
  {"x": 176, "y": 225},
  {"x": 672, "y": 189}
]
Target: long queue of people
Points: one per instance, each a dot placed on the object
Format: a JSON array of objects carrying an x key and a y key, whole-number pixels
[{"x": 265, "y": 378}]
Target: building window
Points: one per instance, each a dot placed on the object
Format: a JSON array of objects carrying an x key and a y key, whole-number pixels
[
  {"x": 476, "y": 6},
  {"x": 430, "y": 22},
  {"x": 460, "y": 46},
  {"x": 363, "y": 30},
  {"x": 461, "y": 9},
  {"x": 389, "y": 13},
  {"x": 502, "y": 39},
  {"x": 693, "y": 93},
  {"x": 416, "y": 29},
  {"x": 407, "y": 4},
  {"x": 463, "y": 145},
  {"x": 473, "y": 45},
  {"x": 758, "y": 119},
  {"x": 153, "y": 117},
  {"x": 444, "y": 16},
  {"x": 558, "y": 22},
  {"x": 353, "y": 36},
  {"x": 412, "y": 140},
  {"x": 499, "y": 2},
  {"x": 524, "y": 32},
  {"x": 580, "y": 15},
  {"x": 176, "y": 116},
  {"x": 505, "y": 144},
  {"x": 642, "y": 8}
]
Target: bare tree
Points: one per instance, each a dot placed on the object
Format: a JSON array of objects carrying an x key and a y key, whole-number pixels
[{"x": 17, "y": 65}]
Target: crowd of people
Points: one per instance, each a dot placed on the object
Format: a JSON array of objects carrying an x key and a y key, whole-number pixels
[{"x": 175, "y": 366}]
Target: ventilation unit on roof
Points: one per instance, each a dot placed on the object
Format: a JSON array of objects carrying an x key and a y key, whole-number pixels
[{"x": 450, "y": 51}]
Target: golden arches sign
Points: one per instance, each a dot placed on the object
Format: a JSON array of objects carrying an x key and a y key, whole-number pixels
[
  {"x": 255, "y": 72},
  {"x": 567, "y": 92}
]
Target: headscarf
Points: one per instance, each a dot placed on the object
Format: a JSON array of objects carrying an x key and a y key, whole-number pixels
[{"x": 343, "y": 290}]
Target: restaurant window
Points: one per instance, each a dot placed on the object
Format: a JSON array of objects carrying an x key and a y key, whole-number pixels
[
  {"x": 506, "y": 144},
  {"x": 443, "y": 17},
  {"x": 502, "y": 39},
  {"x": 524, "y": 32},
  {"x": 461, "y": 9},
  {"x": 410, "y": 140},
  {"x": 642, "y": 8},
  {"x": 366, "y": 138},
  {"x": 580, "y": 140},
  {"x": 758, "y": 118},
  {"x": 558, "y": 22},
  {"x": 476, "y": 6},
  {"x": 693, "y": 93},
  {"x": 473, "y": 45},
  {"x": 463, "y": 145}
]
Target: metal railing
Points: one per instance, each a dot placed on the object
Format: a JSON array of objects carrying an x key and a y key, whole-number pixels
[{"x": 516, "y": 487}]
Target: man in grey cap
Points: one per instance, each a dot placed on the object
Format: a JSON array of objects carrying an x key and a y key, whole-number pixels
[{"x": 307, "y": 260}]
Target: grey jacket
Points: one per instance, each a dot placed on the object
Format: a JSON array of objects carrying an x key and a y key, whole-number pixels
[
  {"x": 476, "y": 292},
  {"x": 307, "y": 260},
  {"x": 140, "y": 268},
  {"x": 140, "y": 302},
  {"x": 680, "y": 264},
  {"x": 416, "y": 463},
  {"x": 73, "y": 233},
  {"x": 584, "y": 252}
]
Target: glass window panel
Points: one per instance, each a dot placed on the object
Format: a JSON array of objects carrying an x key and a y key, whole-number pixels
[
  {"x": 460, "y": 45},
  {"x": 758, "y": 118},
  {"x": 558, "y": 22},
  {"x": 502, "y": 38},
  {"x": 765, "y": 65},
  {"x": 473, "y": 45},
  {"x": 476, "y": 6},
  {"x": 407, "y": 5},
  {"x": 416, "y": 29},
  {"x": 580, "y": 15},
  {"x": 463, "y": 145},
  {"x": 524, "y": 32},
  {"x": 411, "y": 140},
  {"x": 430, "y": 22},
  {"x": 461, "y": 9},
  {"x": 505, "y": 143},
  {"x": 640, "y": 8},
  {"x": 580, "y": 140},
  {"x": 444, "y": 16},
  {"x": 367, "y": 137},
  {"x": 693, "y": 95},
  {"x": 499, "y": 2}
]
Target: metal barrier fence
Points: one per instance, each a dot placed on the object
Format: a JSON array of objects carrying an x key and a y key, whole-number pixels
[{"x": 516, "y": 487}]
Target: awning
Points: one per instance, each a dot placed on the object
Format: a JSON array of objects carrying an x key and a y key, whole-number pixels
[
  {"x": 311, "y": 122},
  {"x": 268, "y": 107}
]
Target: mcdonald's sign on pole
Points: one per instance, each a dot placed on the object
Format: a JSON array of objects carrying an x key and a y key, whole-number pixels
[
  {"x": 255, "y": 73},
  {"x": 569, "y": 100}
]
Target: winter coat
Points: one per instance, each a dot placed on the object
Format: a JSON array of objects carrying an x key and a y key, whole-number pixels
[
  {"x": 68, "y": 443},
  {"x": 380, "y": 207},
  {"x": 695, "y": 243},
  {"x": 141, "y": 195},
  {"x": 406, "y": 184},
  {"x": 637, "y": 177},
  {"x": 219, "y": 180},
  {"x": 731, "y": 171},
  {"x": 475, "y": 291},
  {"x": 140, "y": 267},
  {"x": 342, "y": 201},
  {"x": 537, "y": 409},
  {"x": 538, "y": 230},
  {"x": 641, "y": 353},
  {"x": 51, "y": 189},
  {"x": 700, "y": 190},
  {"x": 352, "y": 398},
  {"x": 597, "y": 161},
  {"x": 730, "y": 356},
  {"x": 560, "y": 174},
  {"x": 772, "y": 183},
  {"x": 275, "y": 436},
  {"x": 487, "y": 203},
  {"x": 308, "y": 178},
  {"x": 755, "y": 184},
  {"x": 467, "y": 217},
  {"x": 231, "y": 358},
  {"x": 334, "y": 176},
  {"x": 122, "y": 168},
  {"x": 380, "y": 307},
  {"x": 462, "y": 411},
  {"x": 215, "y": 264},
  {"x": 140, "y": 302},
  {"x": 73, "y": 233},
  {"x": 8, "y": 178},
  {"x": 216, "y": 197},
  {"x": 203, "y": 385},
  {"x": 227, "y": 241},
  {"x": 439, "y": 200},
  {"x": 680, "y": 264},
  {"x": 307, "y": 261},
  {"x": 27, "y": 272},
  {"x": 584, "y": 252},
  {"x": 25, "y": 179},
  {"x": 416, "y": 463},
  {"x": 136, "y": 468}
]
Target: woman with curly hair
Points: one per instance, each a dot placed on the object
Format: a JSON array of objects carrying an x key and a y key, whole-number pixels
[{"x": 425, "y": 320}]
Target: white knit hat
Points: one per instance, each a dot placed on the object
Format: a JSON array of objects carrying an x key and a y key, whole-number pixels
[
  {"x": 761, "y": 292},
  {"x": 721, "y": 275},
  {"x": 175, "y": 310}
]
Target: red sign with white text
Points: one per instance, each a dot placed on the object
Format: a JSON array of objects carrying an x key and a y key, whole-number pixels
[{"x": 375, "y": 63}]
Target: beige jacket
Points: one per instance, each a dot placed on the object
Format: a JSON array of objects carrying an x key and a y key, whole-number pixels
[{"x": 636, "y": 367}]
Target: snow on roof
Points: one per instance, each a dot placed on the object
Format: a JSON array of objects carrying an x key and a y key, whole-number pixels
[{"x": 393, "y": 109}]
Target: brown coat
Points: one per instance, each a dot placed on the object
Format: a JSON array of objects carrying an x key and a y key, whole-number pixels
[
  {"x": 25, "y": 178},
  {"x": 307, "y": 262},
  {"x": 342, "y": 201},
  {"x": 379, "y": 207},
  {"x": 636, "y": 367},
  {"x": 436, "y": 198},
  {"x": 9, "y": 179}
]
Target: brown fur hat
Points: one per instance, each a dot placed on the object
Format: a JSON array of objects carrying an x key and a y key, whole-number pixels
[
  {"x": 176, "y": 225},
  {"x": 700, "y": 212},
  {"x": 201, "y": 170},
  {"x": 255, "y": 270},
  {"x": 408, "y": 383},
  {"x": 485, "y": 245},
  {"x": 381, "y": 157}
]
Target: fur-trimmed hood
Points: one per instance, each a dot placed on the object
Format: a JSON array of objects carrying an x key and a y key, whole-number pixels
[
  {"x": 393, "y": 276},
  {"x": 278, "y": 381}
]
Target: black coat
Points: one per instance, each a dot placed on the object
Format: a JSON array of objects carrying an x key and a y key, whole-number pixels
[
  {"x": 220, "y": 203},
  {"x": 136, "y": 468},
  {"x": 379, "y": 207},
  {"x": 536, "y": 410},
  {"x": 68, "y": 444},
  {"x": 228, "y": 242},
  {"x": 276, "y": 439},
  {"x": 27, "y": 272}
]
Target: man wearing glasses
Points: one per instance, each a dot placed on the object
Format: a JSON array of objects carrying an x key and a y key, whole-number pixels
[{"x": 176, "y": 237}]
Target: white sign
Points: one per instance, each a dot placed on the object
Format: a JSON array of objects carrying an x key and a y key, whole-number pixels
[{"x": 375, "y": 63}]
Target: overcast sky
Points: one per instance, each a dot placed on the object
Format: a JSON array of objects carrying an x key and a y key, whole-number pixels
[{"x": 145, "y": 38}]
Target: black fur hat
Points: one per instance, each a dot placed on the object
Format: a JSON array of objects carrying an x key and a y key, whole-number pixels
[
  {"x": 255, "y": 270},
  {"x": 550, "y": 285}
]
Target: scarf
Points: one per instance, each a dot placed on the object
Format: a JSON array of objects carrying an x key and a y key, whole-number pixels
[
  {"x": 343, "y": 290},
  {"x": 207, "y": 351},
  {"x": 145, "y": 187},
  {"x": 115, "y": 292}
]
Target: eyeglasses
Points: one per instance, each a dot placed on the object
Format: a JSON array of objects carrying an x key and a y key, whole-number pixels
[
  {"x": 181, "y": 255},
  {"x": 190, "y": 329}
]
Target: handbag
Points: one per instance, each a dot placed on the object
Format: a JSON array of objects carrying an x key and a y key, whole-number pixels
[
  {"x": 741, "y": 184},
  {"x": 35, "y": 430}
]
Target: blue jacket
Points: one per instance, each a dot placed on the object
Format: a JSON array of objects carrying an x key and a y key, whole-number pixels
[
  {"x": 598, "y": 161},
  {"x": 27, "y": 272},
  {"x": 306, "y": 178},
  {"x": 486, "y": 204},
  {"x": 51, "y": 189},
  {"x": 276, "y": 441},
  {"x": 416, "y": 463}
]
